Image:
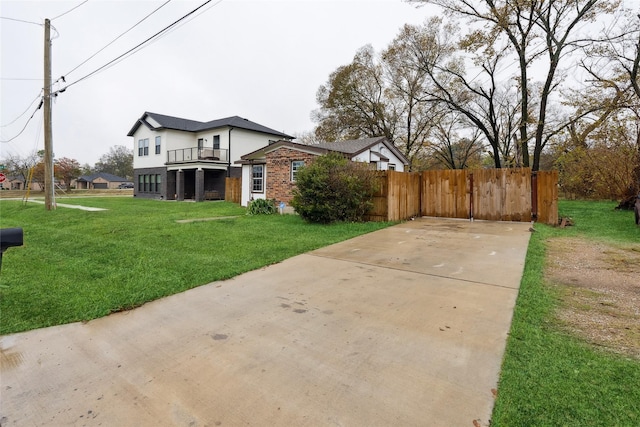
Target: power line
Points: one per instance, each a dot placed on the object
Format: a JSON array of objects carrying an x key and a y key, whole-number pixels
[
  {"x": 113, "y": 41},
  {"x": 70, "y": 10},
  {"x": 24, "y": 112},
  {"x": 19, "y": 78},
  {"x": 139, "y": 46},
  {"x": 25, "y": 125},
  {"x": 21, "y": 20}
]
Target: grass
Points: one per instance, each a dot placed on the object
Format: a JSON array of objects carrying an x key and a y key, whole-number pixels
[
  {"x": 77, "y": 265},
  {"x": 550, "y": 378}
]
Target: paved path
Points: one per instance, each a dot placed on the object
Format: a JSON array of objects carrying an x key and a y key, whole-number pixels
[
  {"x": 401, "y": 327},
  {"x": 65, "y": 205}
]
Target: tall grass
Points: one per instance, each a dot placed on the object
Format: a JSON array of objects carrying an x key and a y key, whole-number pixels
[
  {"x": 550, "y": 378},
  {"x": 77, "y": 265}
]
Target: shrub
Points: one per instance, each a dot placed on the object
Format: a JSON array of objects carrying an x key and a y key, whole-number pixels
[
  {"x": 333, "y": 188},
  {"x": 262, "y": 207}
]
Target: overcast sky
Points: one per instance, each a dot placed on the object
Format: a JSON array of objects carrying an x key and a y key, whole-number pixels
[{"x": 261, "y": 60}]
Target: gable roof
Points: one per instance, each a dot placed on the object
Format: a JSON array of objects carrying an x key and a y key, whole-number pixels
[
  {"x": 351, "y": 148},
  {"x": 357, "y": 146},
  {"x": 106, "y": 176},
  {"x": 186, "y": 125},
  {"x": 262, "y": 152}
]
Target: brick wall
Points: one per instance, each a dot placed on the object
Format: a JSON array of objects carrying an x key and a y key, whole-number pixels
[{"x": 279, "y": 183}]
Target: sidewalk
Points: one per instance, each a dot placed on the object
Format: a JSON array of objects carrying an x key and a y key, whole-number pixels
[{"x": 403, "y": 326}]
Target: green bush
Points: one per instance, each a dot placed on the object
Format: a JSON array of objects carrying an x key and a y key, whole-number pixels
[
  {"x": 262, "y": 207},
  {"x": 333, "y": 188}
]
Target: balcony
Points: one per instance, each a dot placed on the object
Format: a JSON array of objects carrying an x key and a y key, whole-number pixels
[{"x": 195, "y": 154}]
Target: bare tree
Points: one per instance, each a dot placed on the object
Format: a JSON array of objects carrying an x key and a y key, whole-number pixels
[
  {"x": 451, "y": 150},
  {"x": 523, "y": 23},
  {"x": 19, "y": 166},
  {"x": 482, "y": 100}
]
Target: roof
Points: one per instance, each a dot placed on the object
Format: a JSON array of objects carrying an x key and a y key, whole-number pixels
[
  {"x": 186, "y": 125},
  {"x": 106, "y": 176},
  {"x": 351, "y": 147},
  {"x": 357, "y": 146},
  {"x": 260, "y": 153}
]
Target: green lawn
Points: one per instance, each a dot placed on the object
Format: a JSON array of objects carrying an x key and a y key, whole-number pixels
[
  {"x": 550, "y": 378},
  {"x": 77, "y": 265}
]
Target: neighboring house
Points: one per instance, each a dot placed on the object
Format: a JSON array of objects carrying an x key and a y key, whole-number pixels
[
  {"x": 99, "y": 180},
  {"x": 17, "y": 182},
  {"x": 270, "y": 172},
  {"x": 181, "y": 159},
  {"x": 14, "y": 182}
]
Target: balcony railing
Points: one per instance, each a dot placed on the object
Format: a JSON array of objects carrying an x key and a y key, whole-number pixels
[{"x": 197, "y": 154}]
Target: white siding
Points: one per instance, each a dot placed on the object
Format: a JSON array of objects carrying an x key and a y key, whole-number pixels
[
  {"x": 247, "y": 195},
  {"x": 152, "y": 160},
  {"x": 366, "y": 156}
]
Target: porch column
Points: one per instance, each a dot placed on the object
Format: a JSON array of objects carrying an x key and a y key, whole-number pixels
[
  {"x": 180, "y": 185},
  {"x": 199, "y": 185}
]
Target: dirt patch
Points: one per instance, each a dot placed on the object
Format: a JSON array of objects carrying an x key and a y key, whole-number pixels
[{"x": 600, "y": 289}]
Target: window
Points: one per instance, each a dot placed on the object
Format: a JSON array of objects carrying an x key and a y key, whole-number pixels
[
  {"x": 392, "y": 166},
  {"x": 295, "y": 166},
  {"x": 157, "y": 145},
  {"x": 150, "y": 183},
  {"x": 216, "y": 142},
  {"x": 200, "y": 143},
  {"x": 257, "y": 178},
  {"x": 143, "y": 147}
]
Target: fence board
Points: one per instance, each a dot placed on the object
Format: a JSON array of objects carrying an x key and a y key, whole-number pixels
[
  {"x": 232, "y": 190},
  {"x": 548, "y": 197}
]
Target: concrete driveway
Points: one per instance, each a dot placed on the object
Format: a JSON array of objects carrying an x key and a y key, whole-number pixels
[{"x": 405, "y": 326}]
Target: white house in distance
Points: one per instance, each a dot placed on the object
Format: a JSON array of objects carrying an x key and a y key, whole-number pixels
[
  {"x": 270, "y": 172},
  {"x": 178, "y": 159}
]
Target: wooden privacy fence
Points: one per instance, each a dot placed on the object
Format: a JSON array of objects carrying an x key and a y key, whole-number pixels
[
  {"x": 232, "y": 190},
  {"x": 491, "y": 194}
]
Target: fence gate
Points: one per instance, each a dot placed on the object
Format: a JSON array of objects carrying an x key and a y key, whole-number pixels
[{"x": 491, "y": 194}]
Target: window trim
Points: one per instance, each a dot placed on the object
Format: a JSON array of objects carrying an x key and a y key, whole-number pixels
[
  {"x": 143, "y": 147},
  {"x": 294, "y": 170},
  {"x": 259, "y": 180}
]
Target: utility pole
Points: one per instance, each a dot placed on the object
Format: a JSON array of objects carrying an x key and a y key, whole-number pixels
[{"x": 49, "y": 201}]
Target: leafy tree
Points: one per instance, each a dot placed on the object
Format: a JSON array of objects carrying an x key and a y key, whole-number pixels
[
  {"x": 66, "y": 170},
  {"x": 613, "y": 66},
  {"x": 600, "y": 166},
  {"x": 376, "y": 95},
  {"x": 118, "y": 161},
  {"x": 333, "y": 188},
  {"x": 86, "y": 169},
  {"x": 38, "y": 176}
]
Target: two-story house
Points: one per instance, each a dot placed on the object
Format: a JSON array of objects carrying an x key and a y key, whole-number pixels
[{"x": 178, "y": 159}]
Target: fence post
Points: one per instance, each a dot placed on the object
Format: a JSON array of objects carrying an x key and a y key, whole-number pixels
[
  {"x": 471, "y": 197},
  {"x": 534, "y": 195}
]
